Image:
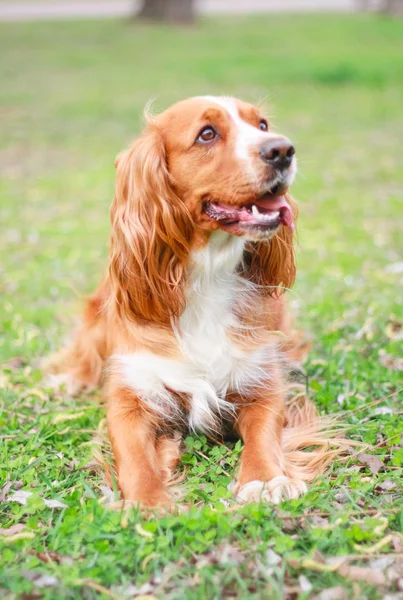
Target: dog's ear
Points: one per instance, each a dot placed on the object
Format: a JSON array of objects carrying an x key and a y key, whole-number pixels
[
  {"x": 272, "y": 264},
  {"x": 151, "y": 235}
]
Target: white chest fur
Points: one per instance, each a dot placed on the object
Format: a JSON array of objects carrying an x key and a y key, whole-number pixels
[{"x": 211, "y": 363}]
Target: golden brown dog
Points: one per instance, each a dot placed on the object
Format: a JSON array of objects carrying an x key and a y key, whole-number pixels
[{"x": 189, "y": 327}]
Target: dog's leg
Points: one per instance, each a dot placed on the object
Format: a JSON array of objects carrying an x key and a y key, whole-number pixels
[
  {"x": 132, "y": 432},
  {"x": 262, "y": 470}
]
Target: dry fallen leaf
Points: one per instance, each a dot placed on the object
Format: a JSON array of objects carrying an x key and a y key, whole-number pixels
[
  {"x": 55, "y": 503},
  {"x": 318, "y": 557},
  {"x": 39, "y": 579},
  {"x": 145, "y": 590},
  {"x": 333, "y": 593},
  {"x": 15, "y": 363},
  {"x": 394, "y": 330},
  {"x": 305, "y": 584},
  {"x": 272, "y": 557},
  {"x": 395, "y": 363},
  {"x": 383, "y": 410},
  {"x": 289, "y": 525},
  {"x": 12, "y": 530},
  {"x": 21, "y": 496},
  {"x": 341, "y": 497},
  {"x": 108, "y": 495},
  {"x": 397, "y": 543},
  {"x": 367, "y": 574},
  {"x": 381, "y": 563},
  {"x": 4, "y": 490},
  {"x": 52, "y": 556},
  {"x": 386, "y": 485},
  {"x": 229, "y": 554},
  {"x": 320, "y": 522},
  {"x": 371, "y": 461}
]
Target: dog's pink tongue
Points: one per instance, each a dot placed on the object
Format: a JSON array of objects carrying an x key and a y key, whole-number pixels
[{"x": 272, "y": 203}]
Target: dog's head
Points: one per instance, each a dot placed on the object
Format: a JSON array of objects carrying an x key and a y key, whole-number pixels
[
  {"x": 229, "y": 169},
  {"x": 204, "y": 164}
]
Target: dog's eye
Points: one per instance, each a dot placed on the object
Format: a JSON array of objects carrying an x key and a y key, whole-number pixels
[
  {"x": 264, "y": 126},
  {"x": 208, "y": 134}
]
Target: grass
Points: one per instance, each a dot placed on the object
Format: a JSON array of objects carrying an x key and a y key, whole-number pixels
[{"x": 71, "y": 97}]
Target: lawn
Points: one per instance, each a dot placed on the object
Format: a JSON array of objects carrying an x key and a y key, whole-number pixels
[{"x": 71, "y": 97}]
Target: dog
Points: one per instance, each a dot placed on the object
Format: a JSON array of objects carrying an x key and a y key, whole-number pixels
[{"x": 189, "y": 328}]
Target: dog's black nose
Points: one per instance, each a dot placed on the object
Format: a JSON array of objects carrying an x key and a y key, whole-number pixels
[{"x": 278, "y": 153}]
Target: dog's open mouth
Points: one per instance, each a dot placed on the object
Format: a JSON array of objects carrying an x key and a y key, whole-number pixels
[{"x": 266, "y": 213}]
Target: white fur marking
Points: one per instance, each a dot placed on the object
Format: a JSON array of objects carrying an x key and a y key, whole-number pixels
[
  {"x": 212, "y": 364},
  {"x": 203, "y": 328},
  {"x": 276, "y": 490},
  {"x": 248, "y": 135},
  {"x": 150, "y": 375}
]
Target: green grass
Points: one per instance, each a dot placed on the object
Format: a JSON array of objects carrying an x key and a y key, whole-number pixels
[{"x": 71, "y": 98}]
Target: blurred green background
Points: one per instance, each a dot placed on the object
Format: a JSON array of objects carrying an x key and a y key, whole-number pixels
[{"x": 71, "y": 97}]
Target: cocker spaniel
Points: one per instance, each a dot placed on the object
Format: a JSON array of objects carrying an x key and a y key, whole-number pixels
[{"x": 189, "y": 328}]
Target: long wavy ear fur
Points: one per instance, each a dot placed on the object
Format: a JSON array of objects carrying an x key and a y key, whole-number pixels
[
  {"x": 272, "y": 264},
  {"x": 151, "y": 235}
]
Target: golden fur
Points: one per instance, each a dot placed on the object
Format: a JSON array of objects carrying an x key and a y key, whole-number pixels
[{"x": 158, "y": 222}]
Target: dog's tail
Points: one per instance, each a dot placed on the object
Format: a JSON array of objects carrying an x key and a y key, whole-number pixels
[
  {"x": 311, "y": 442},
  {"x": 79, "y": 366}
]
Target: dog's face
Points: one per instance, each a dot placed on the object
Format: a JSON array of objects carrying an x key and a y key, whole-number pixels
[
  {"x": 226, "y": 165},
  {"x": 204, "y": 164}
]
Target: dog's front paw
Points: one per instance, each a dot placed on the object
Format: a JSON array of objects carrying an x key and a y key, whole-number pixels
[{"x": 275, "y": 491}]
